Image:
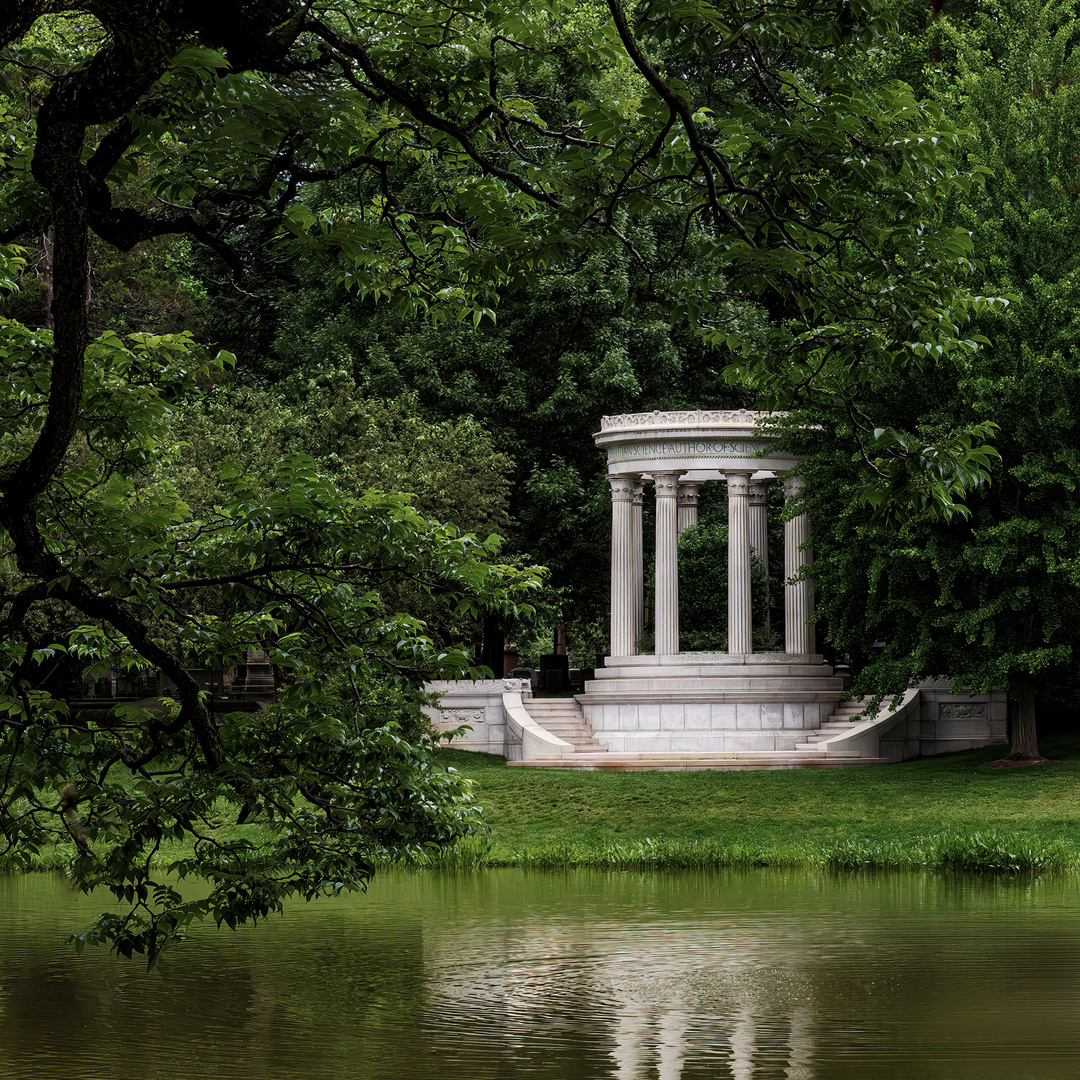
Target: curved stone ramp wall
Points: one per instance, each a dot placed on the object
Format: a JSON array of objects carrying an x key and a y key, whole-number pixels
[
  {"x": 525, "y": 738},
  {"x": 928, "y": 720}
]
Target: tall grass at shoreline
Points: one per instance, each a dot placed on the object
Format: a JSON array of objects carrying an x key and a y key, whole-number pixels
[{"x": 983, "y": 853}]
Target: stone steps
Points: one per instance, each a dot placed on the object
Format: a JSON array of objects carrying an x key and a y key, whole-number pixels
[
  {"x": 826, "y": 731},
  {"x": 703, "y": 761},
  {"x": 793, "y": 690},
  {"x": 563, "y": 718},
  {"x": 843, "y": 718}
]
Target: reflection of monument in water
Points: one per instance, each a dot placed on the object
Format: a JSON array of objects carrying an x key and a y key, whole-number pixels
[
  {"x": 766, "y": 975},
  {"x": 642, "y": 1000},
  {"x": 646, "y": 1040}
]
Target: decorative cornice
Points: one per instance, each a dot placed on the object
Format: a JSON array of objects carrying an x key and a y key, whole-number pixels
[
  {"x": 691, "y": 418},
  {"x": 475, "y": 686}
]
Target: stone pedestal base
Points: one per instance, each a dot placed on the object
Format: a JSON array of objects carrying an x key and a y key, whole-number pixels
[{"x": 709, "y": 701}]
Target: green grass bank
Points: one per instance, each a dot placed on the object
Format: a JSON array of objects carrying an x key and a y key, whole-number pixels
[
  {"x": 949, "y": 812},
  {"x": 945, "y": 813}
]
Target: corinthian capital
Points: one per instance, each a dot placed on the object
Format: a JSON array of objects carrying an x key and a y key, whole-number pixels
[
  {"x": 738, "y": 483},
  {"x": 666, "y": 485}
]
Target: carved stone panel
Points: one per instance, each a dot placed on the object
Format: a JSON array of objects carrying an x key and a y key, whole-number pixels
[
  {"x": 954, "y": 710},
  {"x": 452, "y": 718}
]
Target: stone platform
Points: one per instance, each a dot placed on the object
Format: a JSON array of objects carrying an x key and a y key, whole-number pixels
[
  {"x": 717, "y": 702},
  {"x": 730, "y": 719}
]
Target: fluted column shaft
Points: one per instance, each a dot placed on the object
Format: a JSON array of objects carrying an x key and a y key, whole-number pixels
[
  {"x": 622, "y": 611},
  {"x": 740, "y": 625},
  {"x": 688, "y": 502},
  {"x": 667, "y": 563},
  {"x": 637, "y": 569},
  {"x": 798, "y": 589},
  {"x": 759, "y": 519}
]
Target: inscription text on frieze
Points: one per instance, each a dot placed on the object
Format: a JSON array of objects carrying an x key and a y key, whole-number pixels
[{"x": 685, "y": 448}]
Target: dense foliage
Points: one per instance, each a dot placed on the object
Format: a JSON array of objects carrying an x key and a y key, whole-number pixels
[
  {"x": 137, "y": 580},
  {"x": 715, "y": 164},
  {"x": 990, "y": 601}
]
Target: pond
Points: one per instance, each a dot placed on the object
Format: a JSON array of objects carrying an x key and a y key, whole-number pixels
[{"x": 567, "y": 976}]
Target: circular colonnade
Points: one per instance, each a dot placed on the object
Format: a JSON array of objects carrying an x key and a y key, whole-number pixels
[{"x": 678, "y": 452}]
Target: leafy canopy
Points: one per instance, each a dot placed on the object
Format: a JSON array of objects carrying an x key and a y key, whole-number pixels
[
  {"x": 765, "y": 171},
  {"x": 325, "y": 775},
  {"x": 989, "y": 601}
]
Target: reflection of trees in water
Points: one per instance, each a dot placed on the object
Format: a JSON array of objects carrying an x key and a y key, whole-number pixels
[
  {"x": 295, "y": 997},
  {"x": 568, "y": 977},
  {"x": 792, "y": 976}
]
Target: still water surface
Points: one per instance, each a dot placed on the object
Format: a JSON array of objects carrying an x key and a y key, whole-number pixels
[{"x": 577, "y": 976}]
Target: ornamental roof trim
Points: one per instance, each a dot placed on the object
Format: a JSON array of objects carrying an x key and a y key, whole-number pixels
[{"x": 688, "y": 418}]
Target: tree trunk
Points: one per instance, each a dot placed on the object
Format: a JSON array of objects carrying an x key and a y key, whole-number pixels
[
  {"x": 935, "y": 48},
  {"x": 97, "y": 92},
  {"x": 46, "y": 271},
  {"x": 491, "y": 654},
  {"x": 1023, "y": 743}
]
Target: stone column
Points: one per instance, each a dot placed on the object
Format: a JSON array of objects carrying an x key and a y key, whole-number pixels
[
  {"x": 798, "y": 594},
  {"x": 688, "y": 496},
  {"x": 637, "y": 569},
  {"x": 622, "y": 614},
  {"x": 740, "y": 634},
  {"x": 759, "y": 519},
  {"x": 759, "y": 534},
  {"x": 666, "y": 486}
]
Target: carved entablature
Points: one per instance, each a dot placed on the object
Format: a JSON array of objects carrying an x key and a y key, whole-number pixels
[
  {"x": 700, "y": 441},
  {"x": 687, "y": 418}
]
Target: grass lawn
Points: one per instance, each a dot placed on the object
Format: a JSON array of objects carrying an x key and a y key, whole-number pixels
[
  {"x": 947, "y": 812},
  {"x": 551, "y": 817}
]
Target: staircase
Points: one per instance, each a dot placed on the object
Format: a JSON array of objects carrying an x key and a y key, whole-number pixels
[
  {"x": 702, "y": 702},
  {"x": 843, "y": 718},
  {"x": 563, "y": 717}
]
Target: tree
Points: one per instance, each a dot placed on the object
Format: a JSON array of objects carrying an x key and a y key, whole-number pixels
[
  {"x": 303, "y": 570},
  {"x": 562, "y": 354},
  {"x": 450, "y": 467},
  {"x": 703, "y": 579},
  {"x": 989, "y": 601},
  {"x": 568, "y": 347},
  {"x": 752, "y": 191},
  {"x": 791, "y": 186}
]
